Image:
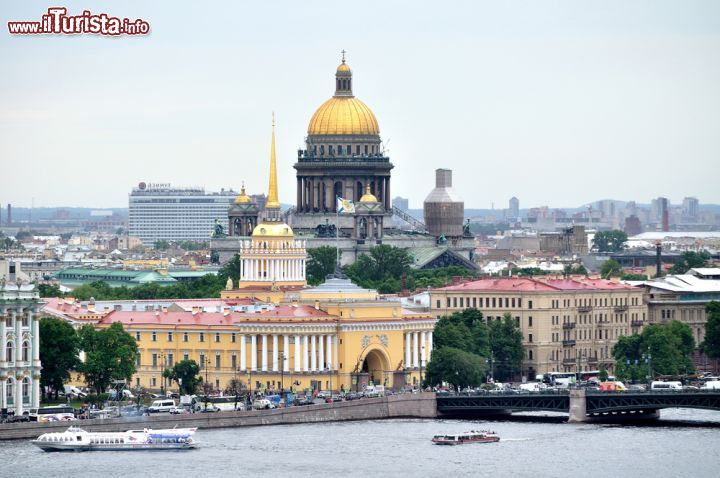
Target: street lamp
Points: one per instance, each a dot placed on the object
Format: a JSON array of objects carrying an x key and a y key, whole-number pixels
[{"x": 206, "y": 364}]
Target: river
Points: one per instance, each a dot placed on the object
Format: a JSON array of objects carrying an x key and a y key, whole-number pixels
[{"x": 684, "y": 443}]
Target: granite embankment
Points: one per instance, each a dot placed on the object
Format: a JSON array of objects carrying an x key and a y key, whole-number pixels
[{"x": 421, "y": 405}]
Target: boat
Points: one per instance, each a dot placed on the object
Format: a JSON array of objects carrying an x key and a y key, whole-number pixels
[
  {"x": 77, "y": 439},
  {"x": 474, "y": 436}
]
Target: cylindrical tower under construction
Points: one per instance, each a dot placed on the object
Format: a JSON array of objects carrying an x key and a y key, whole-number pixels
[{"x": 444, "y": 209}]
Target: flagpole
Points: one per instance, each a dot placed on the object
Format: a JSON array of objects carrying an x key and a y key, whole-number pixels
[{"x": 337, "y": 236}]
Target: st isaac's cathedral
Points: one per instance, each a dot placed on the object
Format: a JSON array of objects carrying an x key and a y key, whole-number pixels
[{"x": 344, "y": 157}]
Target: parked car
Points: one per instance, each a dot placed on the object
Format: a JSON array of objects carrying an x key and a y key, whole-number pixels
[
  {"x": 263, "y": 404},
  {"x": 159, "y": 406}
]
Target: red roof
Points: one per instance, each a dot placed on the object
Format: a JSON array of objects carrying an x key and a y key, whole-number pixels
[{"x": 529, "y": 284}]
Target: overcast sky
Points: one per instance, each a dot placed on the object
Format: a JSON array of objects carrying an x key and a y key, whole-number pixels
[{"x": 556, "y": 102}]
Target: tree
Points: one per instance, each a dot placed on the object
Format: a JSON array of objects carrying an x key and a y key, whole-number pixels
[
  {"x": 506, "y": 347},
  {"x": 186, "y": 371},
  {"x": 578, "y": 269},
  {"x": 711, "y": 344},
  {"x": 49, "y": 290},
  {"x": 661, "y": 349},
  {"x": 458, "y": 367},
  {"x": 464, "y": 330},
  {"x": 110, "y": 354},
  {"x": 161, "y": 245},
  {"x": 382, "y": 268},
  {"x": 321, "y": 262},
  {"x": 611, "y": 268},
  {"x": 690, "y": 260},
  {"x": 59, "y": 349},
  {"x": 610, "y": 241},
  {"x": 231, "y": 270},
  {"x": 603, "y": 374}
]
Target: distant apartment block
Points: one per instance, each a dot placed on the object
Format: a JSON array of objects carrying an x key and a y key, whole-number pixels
[{"x": 162, "y": 212}]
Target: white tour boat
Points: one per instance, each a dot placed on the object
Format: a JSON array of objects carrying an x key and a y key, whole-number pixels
[
  {"x": 474, "y": 436},
  {"x": 77, "y": 439}
]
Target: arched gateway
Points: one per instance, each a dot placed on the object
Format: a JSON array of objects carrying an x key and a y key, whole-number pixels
[{"x": 375, "y": 368}]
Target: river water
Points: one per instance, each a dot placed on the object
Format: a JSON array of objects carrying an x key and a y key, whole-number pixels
[{"x": 684, "y": 443}]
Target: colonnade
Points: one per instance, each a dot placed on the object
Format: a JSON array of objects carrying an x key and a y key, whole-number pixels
[
  {"x": 310, "y": 353},
  {"x": 19, "y": 359},
  {"x": 318, "y": 193},
  {"x": 272, "y": 269},
  {"x": 418, "y": 348}
]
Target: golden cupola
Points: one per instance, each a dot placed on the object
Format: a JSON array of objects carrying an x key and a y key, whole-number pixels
[
  {"x": 368, "y": 197},
  {"x": 243, "y": 198},
  {"x": 343, "y": 114}
]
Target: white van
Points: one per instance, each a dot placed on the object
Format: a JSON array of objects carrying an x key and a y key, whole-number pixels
[
  {"x": 159, "y": 406},
  {"x": 532, "y": 387},
  {"x": 711, "y": 385},
  {"x": 666, "y": 386},
  {"x": 74, "y": 391}
]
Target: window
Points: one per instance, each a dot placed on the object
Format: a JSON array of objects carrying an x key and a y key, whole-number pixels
[
  {"x": 462, "y": 302},
  {"x": 217, "y": 337},
  {"x": 529, "y": 304},
  {"x": 137, "y": 336},
  {"x": 217, "y": 361},
  {"x": 154, "y": 336},
  {"x": 454, "y": 301},
  {"x": 170, "y": 360},
  {"x": 437, "y": 304},
  {"x": 153, "y": 382},
  {"x": 448, "y": 302},
  {"x": 530, "y": 354},
  {"x": 530, "y": 338},
  {"x": 170, "y": 336},
  {"x": 185, "y": 336},
  {"x": 529, "y": 321},
  {"x": 26, "y": 351},
  {"x": 233, "y": 337},
  {"x": 475, "y": 302},
  {"x": 493, "y": 302},
  {"x": 154, "y": 360},
  {"x": 186, "y": 356},
  {"x": 137, "y": 361},
  {"x": 202, "y": 336},
  {"x": 202, "y": 360},
  {"x": 233, "y": 361}
]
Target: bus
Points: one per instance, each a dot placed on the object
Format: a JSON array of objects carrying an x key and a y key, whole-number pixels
[
  {"x": 58, "y": 413},
  {"x": 223, "y": 404}
]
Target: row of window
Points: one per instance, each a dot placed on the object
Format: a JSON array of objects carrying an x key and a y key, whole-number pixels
[
  {"x": 186, "y": 337},
  {"x": 24, "y": 319},
  {"x": 512, "y": 302},
  {"x": 10, "y": 352}
]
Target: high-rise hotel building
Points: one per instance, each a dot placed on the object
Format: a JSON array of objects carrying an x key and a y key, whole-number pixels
[{"x": 162, "y": 212}]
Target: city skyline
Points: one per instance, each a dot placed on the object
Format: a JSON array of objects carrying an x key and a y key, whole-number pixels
[{"x": 561, "y": 98}]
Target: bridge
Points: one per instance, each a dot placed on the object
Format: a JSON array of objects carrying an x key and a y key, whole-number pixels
[{"x": 580, "y": 405}]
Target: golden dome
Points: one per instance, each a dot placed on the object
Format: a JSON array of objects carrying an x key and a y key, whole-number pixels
[
  {"x": 343, "y": 68},
  {"x": 368, "y": 196},
  {"x": 272, "y": 229},
  {"x": 343, "y": 115},
  {"x": 243, "y": 198}
]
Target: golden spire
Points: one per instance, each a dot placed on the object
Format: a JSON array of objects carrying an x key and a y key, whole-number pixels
[{"x": 272, "y": 200}]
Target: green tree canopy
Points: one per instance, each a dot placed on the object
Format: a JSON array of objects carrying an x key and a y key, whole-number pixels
[
  {"x": 110, "y": 354},
  {"x": 188, "y": 371},
  {"x": 49, "y": 290},
  {"x": 59, "y": 349},
  {"x": 464, "y": 330},
  {"x": 507, "y": 350},
  {"x": 455, "y": 366},
  {"x": 690, "y": 260},
  {"x": 321, "y": 262},
  {"x": 711, "y": 344},
  {"x": 611, "y": 268},
  {"x": 161, "y": 245},
  {"x": 661, "y": 349},
  {"x": 610, "y": 241}
]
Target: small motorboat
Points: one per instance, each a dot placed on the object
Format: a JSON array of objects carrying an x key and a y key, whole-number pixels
[
  {"x": 77, "y": 439},
  {"x": 474, "y": 436}
]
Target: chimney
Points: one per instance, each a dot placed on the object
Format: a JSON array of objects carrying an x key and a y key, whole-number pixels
[
  {"x": 226, "y": 311},
  {"x": 317, "y": 305},
  {"x": 9, "y": 213},
  {"x": 658, "y": 259},
  {"x": 165, "y": 309}
]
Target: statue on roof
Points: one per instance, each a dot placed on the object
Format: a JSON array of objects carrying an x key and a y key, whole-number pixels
[{"x": 219, "y": 229}]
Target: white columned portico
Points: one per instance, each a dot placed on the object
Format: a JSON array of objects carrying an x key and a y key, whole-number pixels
[
  {"x": 313, "y": 353},
  {"x": 35, "y": 324},
  {"x": 253, "y": 352},
  {"x": 306, "y": 365},
  {"x": 275, "y": 353},
  {"x": 298, "y": 351},
  {"x": 329, "y": 354},
  {"x": 18, "y": 396},
  {"x": 321, "y": 352},
  {"x": 408, "y": 363},
  {"x": 335, "y": 352},
  {"x": 243, "y": 362},
  {"x": 423, "y": 348},
  {"x": 429, "y": 345},
  {"x": 286, "y": 353},
  {"x": 415, "y": 350},
  {"x": 264, "y": 352}
]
